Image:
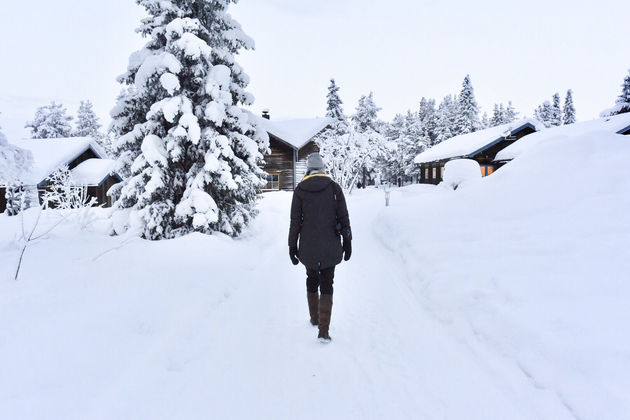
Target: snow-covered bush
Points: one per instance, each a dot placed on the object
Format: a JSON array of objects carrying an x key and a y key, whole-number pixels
[
  {"x": 346, "y": 156},
  {"x": 458, "y": 171},
  {"x": 14, "y": 164},
  {"x": 63, "y": 193},
  {"x": 190, "y": 155}
]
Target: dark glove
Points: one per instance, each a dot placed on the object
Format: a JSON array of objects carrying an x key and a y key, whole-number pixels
[
  {"x": 347, "y": 249},
  {"x": 293, "y": 253}
]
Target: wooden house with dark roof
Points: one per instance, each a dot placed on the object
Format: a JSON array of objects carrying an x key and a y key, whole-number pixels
[
  {"x": 481, "y": 146},
  {"x": 290, "y": 143},
  {"x": 87, "y": 163}
]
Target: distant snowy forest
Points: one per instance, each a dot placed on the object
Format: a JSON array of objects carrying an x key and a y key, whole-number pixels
[{"x": 189, "y": 154}]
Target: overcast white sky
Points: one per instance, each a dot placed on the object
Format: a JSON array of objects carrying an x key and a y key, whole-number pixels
[{"x": 68, "y": 50}]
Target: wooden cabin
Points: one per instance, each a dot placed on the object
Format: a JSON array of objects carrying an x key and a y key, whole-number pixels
[
  {"x": 290, "y": 143},
  {"x": 481, "y": 146},
  {"x": 83, "y": 157}
]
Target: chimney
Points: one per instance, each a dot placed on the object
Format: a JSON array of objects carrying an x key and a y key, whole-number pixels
[{"x": 265, "y": 113}]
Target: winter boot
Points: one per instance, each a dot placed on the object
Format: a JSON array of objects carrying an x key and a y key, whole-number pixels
[
  {"x": 325, "y": 307},
  {"x": 313, "y": 304}
]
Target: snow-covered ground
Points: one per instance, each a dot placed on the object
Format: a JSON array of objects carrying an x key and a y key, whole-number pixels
[{"x": 506, "y": 298}]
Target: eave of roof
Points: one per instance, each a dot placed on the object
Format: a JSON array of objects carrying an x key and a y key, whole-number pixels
[
  {"x": 624, "y": 130},
  {"x": 500, "y": 139}
]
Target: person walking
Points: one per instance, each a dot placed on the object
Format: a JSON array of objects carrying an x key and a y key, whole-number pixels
[{"x": 319, "y": 222}]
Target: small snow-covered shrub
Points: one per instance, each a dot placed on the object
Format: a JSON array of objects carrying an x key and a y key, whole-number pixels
[
  {"x": 63, "y": 193},
  {"x": 458, "y": 171},
  {"x": 14, "y": 197}
]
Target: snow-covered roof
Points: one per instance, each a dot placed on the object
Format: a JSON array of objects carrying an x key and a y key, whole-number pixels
[
  {"x": 296, "y": 132},
  {"x": 466, "y": 145},
  {"x": 93, "y": 171},
  {"x": 615, "y": 124},
  {"x": 51, "y": 154}
]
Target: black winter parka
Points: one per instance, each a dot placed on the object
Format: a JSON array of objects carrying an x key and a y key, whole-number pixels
[{"x": 319, "y": 218}]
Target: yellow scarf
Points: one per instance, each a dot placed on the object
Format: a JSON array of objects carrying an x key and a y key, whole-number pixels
[{"x": 312, "y": 175}]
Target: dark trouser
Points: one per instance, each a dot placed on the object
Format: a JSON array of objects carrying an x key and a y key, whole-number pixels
[{"x": 322, "y": 279}]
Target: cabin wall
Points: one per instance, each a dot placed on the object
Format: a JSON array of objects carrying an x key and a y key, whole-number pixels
[
  {"x": 105, "y": 186},
  {"x": 100, "y": 192},
  {"x": 3, "y": 199},
  {"x": 280, "y": 162},
  {"x": 431, "y": 172}
]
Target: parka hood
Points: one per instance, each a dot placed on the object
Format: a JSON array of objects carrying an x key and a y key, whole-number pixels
[{"x": 315, "y": 183}]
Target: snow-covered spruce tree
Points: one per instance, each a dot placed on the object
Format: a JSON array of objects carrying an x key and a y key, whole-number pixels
[
  {"x": 198, "y": 165},
  {"x": 415, "y": 141},
  {"x": 556, "y": 111},
  {"x": 445, "y": 119},
  {"x": 87, "y": 124},
  {"x": 405, "y": 138},
  {"x": 622, "y": 105},
  {"x": 498, "y": 115},
  {"x": 352, "y": 156},
  {"x": 50, "y": 122},
  {"x": 371, "y": 142},
  {"x": 126, "y": 127},
  {"x": 390, "y": 162},
  {"x": 503, "y": 115},
  {"x": 427, "y": 114},
  {"x": 544, "y": 113},
  {"x": 510, "y": 113},
  {"x": 468, "y": 115},
  {"x": 365, "y": 118},
  {"x": 485, "y": 121},
  {"x": 334, "y": 109},
  {"x": 568, "y": 111},
  {"x": 334, "y": 145}
]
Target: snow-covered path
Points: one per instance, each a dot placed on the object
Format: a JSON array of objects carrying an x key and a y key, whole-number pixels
[{"x": 208, "y": 327}]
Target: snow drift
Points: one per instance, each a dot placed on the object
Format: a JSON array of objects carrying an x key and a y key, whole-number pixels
[{"x": 532, "y": 264}]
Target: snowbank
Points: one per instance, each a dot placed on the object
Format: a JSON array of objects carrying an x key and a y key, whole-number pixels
[
  {"x": 458, "y": 171},
  {"x": 532, "y": 264},
  {"x": 593, "y": 128}
]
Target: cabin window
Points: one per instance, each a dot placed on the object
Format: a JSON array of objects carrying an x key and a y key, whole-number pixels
[
  {"x": 486, "y": 170},
  {"x": 442, "y": 172},
  {"x": 273, "y": 181},
  {"x": 426, "y": 173},
  {"x": 434, "y": 173}
]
